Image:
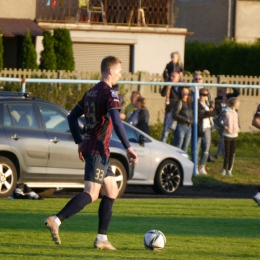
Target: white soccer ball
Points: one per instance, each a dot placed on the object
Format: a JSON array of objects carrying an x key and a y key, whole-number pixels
[{"x": 154, "y": 240}]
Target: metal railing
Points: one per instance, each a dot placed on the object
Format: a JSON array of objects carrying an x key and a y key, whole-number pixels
[{"x": 117, "y": 12}]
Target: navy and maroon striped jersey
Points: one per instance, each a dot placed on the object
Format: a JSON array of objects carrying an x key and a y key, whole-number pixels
[{"x": 96, "y": 103}]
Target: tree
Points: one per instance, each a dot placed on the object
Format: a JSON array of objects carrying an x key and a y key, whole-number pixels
[
  {"x": 1, "y": 51},
  {"x": 48, "y": 57},
  {"x": 63, "y": 49},
  {"x": 28, "y": 54}
]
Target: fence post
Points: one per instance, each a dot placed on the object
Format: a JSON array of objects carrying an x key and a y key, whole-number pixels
[{"x": 23, "y": 85}]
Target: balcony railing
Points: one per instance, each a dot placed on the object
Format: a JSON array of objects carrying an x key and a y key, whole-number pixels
[{"x": 112, "y": 12}]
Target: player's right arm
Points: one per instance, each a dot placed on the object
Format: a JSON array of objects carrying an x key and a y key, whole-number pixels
[{"x": 120, "y": 131}]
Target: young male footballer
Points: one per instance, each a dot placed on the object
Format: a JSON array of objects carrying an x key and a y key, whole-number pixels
[{"x": 100, "y": 106}]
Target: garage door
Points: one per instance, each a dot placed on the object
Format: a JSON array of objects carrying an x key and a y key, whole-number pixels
[{"x": 88, "y": 56}]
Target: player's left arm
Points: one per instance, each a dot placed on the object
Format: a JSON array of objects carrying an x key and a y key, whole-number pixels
[
  {"x": 120, "y": 131},
  {"x": 76, "y": 112}
]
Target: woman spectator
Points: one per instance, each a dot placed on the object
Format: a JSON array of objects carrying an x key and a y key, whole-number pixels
[
  {"x": 228, "y": 121},
  {"x": 205, "y": 122},
  {"x": 140, "y": 117},
  {"x": 184, "y": 117},
  {"x": 220, "y": 104}
]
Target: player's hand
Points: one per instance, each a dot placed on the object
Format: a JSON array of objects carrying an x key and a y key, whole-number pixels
[
  {"x": 132, "y": 156},
  {"x": 81, "y": 157}
]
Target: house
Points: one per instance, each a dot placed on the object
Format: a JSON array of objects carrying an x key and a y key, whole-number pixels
[
  {"x": 216, "y": 20},
  {"x": 139, "y": 32},
  {"x": 15, "y": 20}
]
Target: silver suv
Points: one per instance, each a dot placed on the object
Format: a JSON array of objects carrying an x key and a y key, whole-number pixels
[{"x": 37, "y": 148}]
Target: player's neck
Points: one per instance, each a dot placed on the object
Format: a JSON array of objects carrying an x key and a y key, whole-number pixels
[{"x": 107, "y": 80}]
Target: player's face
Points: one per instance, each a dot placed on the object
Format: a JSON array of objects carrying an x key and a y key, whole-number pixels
[{"x": 116, "y": 73}]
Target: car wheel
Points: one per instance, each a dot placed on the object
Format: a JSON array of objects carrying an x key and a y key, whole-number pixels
[
  {"x": 121, "y": 177},
  {"x": 8, "y": 177},
  {"x": 167, "y": 178}
]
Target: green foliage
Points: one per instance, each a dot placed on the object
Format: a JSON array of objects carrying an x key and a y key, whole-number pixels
[
  {"x": 48, "y": 57},
  {"x": 63, "y": 50},
  {"x": 28, "y": 54},
  {"x": 1, "y": 51},
  {"x": 156, "y": 132},
  {"x": 227, "y": 58}
]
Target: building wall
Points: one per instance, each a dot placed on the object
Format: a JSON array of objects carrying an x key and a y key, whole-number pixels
[
  {"x": 247, "y": 21},
  {"x": 18, "y": 9},
  {"x": 152, "y": 46},
  {"x": 208, "y": 19}
]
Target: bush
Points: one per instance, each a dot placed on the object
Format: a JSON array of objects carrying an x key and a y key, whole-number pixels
[
  {"x": 48, "y": 57},
  {"x": 227, "y": 58},
  {"x": 28, "y": 54},
  {"x": 63, "y": 50},
  {"x": 1, "y": 51}
]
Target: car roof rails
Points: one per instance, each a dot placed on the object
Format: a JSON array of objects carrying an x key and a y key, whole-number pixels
[{"x": 14, "y": 94}]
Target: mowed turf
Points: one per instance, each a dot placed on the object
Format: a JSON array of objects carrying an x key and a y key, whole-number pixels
[{"x": 194, "y": 229}]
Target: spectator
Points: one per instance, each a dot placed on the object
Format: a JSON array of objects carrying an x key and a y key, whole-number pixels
[
  {"x": 121, "y": 101},
  {"x": 220, "y": 104},
  {"x": 131, "y": 106},
  {"x": 168, "y": 124},
  {"x": 228, "y": 120},
  {"x": 184, "y": 117},
  {"x": 256, "y": 123},
  {"x": 204, "y": 129},
  {"x": 140, "y": 117},
  {"x": 198, "y": 78},
  {"x": 174, "y": 65}
]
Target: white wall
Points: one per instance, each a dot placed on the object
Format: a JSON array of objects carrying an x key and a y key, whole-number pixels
[{"x": 152, "y": 45}]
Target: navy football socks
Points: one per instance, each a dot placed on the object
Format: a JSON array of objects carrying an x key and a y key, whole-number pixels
[
  {"x": 104, "y": 214},
  {"x": 75, "y": 205}
]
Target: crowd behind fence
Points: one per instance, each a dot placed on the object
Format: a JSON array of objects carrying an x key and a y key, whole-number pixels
[
  {"x": 149, "y": 85},
  {"x": 249, "y": 97}
]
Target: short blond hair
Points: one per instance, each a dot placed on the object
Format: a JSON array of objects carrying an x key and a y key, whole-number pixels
[{"x": 108, "y": 62}]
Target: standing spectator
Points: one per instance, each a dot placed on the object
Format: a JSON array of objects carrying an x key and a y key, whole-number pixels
[
  {"x": 228, "y": 120},
  {"x": 168, "y": 124},
  {"x": 174, "y": 65},
  {"x": 256, "y": 123},
  {"x": 204, "y": 129},
  {"x": 131, "y": 106},
  {"x": 198, "y": 78},
  {"x": 100, "y": 107},
  {"x": 220, "y": 104},
  {"x": 140, "y": 117},
  {"x": 184, "y": 117}
]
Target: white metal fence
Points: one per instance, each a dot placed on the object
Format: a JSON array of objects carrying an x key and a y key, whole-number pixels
[{"x": 249, "y": 100}]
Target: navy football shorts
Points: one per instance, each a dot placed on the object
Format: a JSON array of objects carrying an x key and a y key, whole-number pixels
[{"x": 97, "y": 168}]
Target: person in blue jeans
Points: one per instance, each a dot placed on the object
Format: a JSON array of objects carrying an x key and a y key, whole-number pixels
[
  {"x": 184, "y": 118},
  {"x": 205, "y": 114},
  {"x": 168, "y": 124}
]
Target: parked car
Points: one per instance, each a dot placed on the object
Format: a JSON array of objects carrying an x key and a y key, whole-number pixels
[{"x": 37, "y": 148}]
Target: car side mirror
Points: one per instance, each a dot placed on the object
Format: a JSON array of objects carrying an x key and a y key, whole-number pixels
[{"x": 141, "y": 140}]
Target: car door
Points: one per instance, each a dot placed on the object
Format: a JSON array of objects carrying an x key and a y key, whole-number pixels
[
  {"x": 63, "y": 152},
  {"x": 142, "y": 169},
  {"x": 26, "y": 138}
]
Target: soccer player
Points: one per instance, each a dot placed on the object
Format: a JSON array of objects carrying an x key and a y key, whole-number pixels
[{"x": 100, "y": 106}]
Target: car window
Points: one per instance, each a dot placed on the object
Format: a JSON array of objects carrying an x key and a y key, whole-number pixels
[
  {"x": 130, "y": 132},
  {"x": 20, "y": 115},
  {"x": 54, "y": 119}
]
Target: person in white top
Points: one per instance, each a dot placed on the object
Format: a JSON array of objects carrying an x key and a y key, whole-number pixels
[{"x": 204, "y": 129}]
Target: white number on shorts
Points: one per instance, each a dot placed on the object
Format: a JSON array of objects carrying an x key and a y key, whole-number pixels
[{"x": 99, "y": 175}]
